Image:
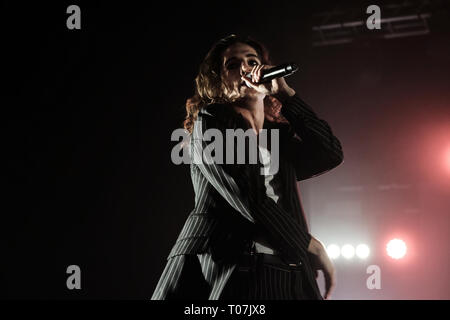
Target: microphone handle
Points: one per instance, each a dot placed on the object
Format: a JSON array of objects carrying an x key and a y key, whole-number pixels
[{"x": 277, "y": 72}]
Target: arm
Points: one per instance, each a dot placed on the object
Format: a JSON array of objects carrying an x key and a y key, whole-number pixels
[
  {"x": 316, "y": 152},
  {"x": 319, "y": 150},
  {"x": 321, "y": 261}
]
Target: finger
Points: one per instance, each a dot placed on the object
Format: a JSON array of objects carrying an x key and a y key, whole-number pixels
[
  {"x": 248, "y": 82},
  {"x": 258, "y": 72},
  {"x": 253, "y": 73}
]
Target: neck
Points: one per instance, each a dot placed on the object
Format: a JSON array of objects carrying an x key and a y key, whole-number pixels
[{"x": 252, "y": 109}]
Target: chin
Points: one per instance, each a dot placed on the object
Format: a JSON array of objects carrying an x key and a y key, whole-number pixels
[
  {"x": 247, "y": 90},
  {"x": 242, "y": 92}
]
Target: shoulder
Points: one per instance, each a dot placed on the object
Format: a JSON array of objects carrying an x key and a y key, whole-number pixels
[
  {"x": 216, "y": 110},
  {"x": 218, "y": 115}
]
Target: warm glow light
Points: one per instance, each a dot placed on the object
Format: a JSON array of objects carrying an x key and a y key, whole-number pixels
[
  {"x": 396, "y": 248},
  {"x": 447, "y": 162},
  {"x": 348, "y": 251},
  {"x": 333, "y": 251},
  {"x": 362, "y": 251}
]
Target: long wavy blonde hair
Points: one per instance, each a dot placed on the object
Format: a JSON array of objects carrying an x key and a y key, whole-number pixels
[{"x": 209, "y": 87}]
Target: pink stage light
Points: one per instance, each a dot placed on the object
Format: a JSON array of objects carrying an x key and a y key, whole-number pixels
[{"x": 396, "y": 249}]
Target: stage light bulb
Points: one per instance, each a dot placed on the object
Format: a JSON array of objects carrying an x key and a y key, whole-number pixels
[
  {"x": 333, "y": 251},
  {"x": 396, "y": 248},
  {"x": 348, "y": 251},
  {"x": 362, "y": 251}
]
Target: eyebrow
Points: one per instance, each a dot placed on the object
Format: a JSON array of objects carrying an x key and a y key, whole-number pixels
[{"x": 247, "y": 55}]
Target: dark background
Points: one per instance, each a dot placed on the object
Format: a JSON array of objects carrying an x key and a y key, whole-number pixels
[{"x": 88, "y": 115}]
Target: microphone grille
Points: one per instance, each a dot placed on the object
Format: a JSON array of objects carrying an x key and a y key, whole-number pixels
[{"x": 292, "y": 67}]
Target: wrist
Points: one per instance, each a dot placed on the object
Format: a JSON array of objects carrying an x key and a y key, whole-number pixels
[{"x": 284, "y": 94}]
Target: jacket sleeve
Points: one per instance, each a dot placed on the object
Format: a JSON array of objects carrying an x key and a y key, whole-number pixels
[
  {"x": 240, "y": 189},
  {"x": 312, "y": 146}
]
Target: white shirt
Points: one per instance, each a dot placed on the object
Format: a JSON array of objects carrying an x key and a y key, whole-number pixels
[
  {"x": 268, "y": 177},
  {"x": 271, "y": 193}
]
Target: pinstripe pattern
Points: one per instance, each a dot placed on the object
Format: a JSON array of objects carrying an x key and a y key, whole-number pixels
[
  {"x": 267, "y": 281},
  {"x": 215, "y": 274},
  {"x": 225, "y": 193},
  {"x": 170, "y": 277}
]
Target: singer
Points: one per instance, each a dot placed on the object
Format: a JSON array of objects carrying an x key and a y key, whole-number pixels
[{"x": 247, "y": 236}]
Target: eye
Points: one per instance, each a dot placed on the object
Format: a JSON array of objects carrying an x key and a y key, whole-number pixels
[{"x": 253, "y": 62}]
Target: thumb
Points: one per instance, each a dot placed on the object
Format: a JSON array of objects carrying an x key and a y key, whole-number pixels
[{"x": 248, "y": 82}]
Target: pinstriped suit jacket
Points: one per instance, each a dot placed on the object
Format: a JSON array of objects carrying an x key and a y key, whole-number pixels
[{"x": 231, "y": 206}]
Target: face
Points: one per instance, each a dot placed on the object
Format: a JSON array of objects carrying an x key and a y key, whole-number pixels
[{"x": 238, "y": 60}]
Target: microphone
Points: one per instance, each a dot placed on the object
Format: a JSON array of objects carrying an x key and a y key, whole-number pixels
[{"x": 280, "y": 71}]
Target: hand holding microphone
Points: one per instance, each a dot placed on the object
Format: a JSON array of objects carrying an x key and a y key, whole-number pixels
[
  {"x": 269, "y": 79},
  {"x": 280, "y": 71}
]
